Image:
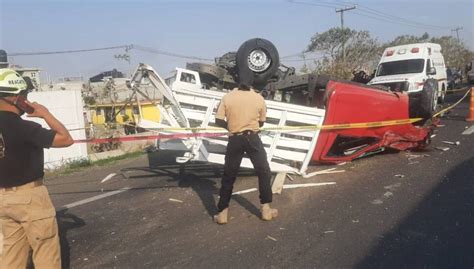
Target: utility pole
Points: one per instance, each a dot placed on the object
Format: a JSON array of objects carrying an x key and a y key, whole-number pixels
[
  {"x": 342, "y": 10},
  {"x": 457, "y": 29}
]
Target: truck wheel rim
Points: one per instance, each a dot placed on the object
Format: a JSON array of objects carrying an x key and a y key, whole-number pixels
[{"x": 258, "y": 61}]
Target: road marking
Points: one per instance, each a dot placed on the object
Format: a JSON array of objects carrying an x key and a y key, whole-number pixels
[
  {"x": 289, "y": 186},
  {"x": 469, "y": 131},
  {"x": 93, "y": 199}
]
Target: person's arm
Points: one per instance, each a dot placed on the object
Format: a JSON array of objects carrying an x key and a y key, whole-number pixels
[
  {"x": 220, "y": 115},
  {"x": 263, "y": 113},
  {"x": 221, "y": 123},
  {"x": 62, "y": 137}
]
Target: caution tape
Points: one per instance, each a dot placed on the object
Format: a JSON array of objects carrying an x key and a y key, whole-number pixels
[
  {"x": 207, "y": 134},
  {"x": 147, "y": 137},
  {"x": 454, "y": 105},
  {"x": 459, "y": 90},
  {"x": 345, "y": 125}
]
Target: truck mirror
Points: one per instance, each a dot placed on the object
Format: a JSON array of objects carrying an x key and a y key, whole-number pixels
[{"x": 432, "y": 71}]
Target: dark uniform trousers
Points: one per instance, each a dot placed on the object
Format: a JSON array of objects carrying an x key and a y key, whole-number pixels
[{"x": 236, "y": 147}]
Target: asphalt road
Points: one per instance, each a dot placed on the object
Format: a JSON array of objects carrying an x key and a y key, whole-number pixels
[{"x": 391, "y": 210}]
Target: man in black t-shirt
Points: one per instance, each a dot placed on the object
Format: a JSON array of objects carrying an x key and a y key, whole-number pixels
[{"x": 27, "y": 215}]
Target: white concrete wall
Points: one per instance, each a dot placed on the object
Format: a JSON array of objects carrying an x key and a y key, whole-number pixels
[{"x": 67, "y": 107}]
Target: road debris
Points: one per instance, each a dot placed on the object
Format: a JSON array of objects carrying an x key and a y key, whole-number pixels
[
  {"x": 377, "y": 202},
  {"x": 288, "y": 186},
  {"x": 328, "y": 232},
  {"x": 457, "y": 143},
  {"x": 305, "y": 185},
  {"x": 322, "y": 172},
  {"x": 175, "y": 200},
  {"x": 271, "y": 238},
  {"x": 442, "y": 148},
  {"x": 399, "y": 175},
  {"x": 416, "y": 156},
  {"x": 244, "y": 191},
  {"x": 108, "y": 177},
  {"x": 393, "y": 187}
]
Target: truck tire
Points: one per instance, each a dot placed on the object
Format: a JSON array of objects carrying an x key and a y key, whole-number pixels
[
  {"x": 428, "y": 99},
  {"x": 257, "y": 61}
]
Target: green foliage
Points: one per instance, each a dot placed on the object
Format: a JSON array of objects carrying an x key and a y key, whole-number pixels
[
  {"x": 89, "y": 100},
  {"x": 85, "y": 162},
  {"x": 407, "y": 39},
  {"x": 362, "y": 52},
  {"x": 79, "y": 164},
  {"x": 455, "y": 52}
]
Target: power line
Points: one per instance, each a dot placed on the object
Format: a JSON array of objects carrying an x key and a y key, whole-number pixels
[
  {"x": 369, "y": 10},
  {"x": 304, "y": 59},
  {"x": 299, "y": 54},
  {"x": 394, "y": 21},
  {"x": 171, "y": 54},
  {"x": 314, "y": 4},
  {"x": 387, "y": 15},
  {"x": 373, "y": 14},
  {"x": 127, "y": 47}
]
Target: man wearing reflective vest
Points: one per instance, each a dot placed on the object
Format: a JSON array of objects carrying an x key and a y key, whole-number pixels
[
  {"x": 242, "y": 111},
  {"x": 27, "y": 215}
]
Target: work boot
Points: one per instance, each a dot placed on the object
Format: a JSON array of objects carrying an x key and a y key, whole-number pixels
[
  {"x": 221, "y": 218},
  {"x": 268, "y": 213}
]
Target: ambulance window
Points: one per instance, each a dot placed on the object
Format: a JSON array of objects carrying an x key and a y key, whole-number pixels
[
  {"x": 428, "y": 65},
  {"x": 401, "y": 67}
]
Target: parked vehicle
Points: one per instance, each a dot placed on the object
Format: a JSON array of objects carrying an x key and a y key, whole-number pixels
[
  {"x": 470, "y": 72},
  {"x": 454, "y": 77},
  {"x": 417, "y": 69}
]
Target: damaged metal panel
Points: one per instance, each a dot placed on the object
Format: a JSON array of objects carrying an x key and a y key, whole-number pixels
[{"x": 353, "y": 103}]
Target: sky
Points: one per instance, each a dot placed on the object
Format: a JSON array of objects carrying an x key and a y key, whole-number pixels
[{"x": 205, "y": 29}]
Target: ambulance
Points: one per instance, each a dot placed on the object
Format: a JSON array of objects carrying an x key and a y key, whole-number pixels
[{"x": 418, "y": 70}]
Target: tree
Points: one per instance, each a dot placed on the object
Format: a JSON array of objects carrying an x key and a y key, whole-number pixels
[
  {"x": 407, "y": 39},
  {"x": 362, "y": 52},
  {"x": 454, "y": 51}
]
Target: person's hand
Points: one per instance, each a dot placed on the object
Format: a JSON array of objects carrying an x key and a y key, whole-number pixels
[{"x": 40, "y": 110}]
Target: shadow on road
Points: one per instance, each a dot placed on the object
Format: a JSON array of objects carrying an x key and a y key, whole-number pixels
[
  {"x": 202, "y": 178},
  {"x": 66, "y": 222},
  {"x": 438, "y": 234}
]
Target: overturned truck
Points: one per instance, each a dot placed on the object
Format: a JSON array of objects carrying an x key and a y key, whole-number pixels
[{"x": 293, "y": 101}]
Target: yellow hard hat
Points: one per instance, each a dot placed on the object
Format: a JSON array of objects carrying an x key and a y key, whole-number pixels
[{"x": 11, "y": 82}]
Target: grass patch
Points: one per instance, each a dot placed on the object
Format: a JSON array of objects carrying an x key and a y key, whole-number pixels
[{"x": 79, "y": 164}]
